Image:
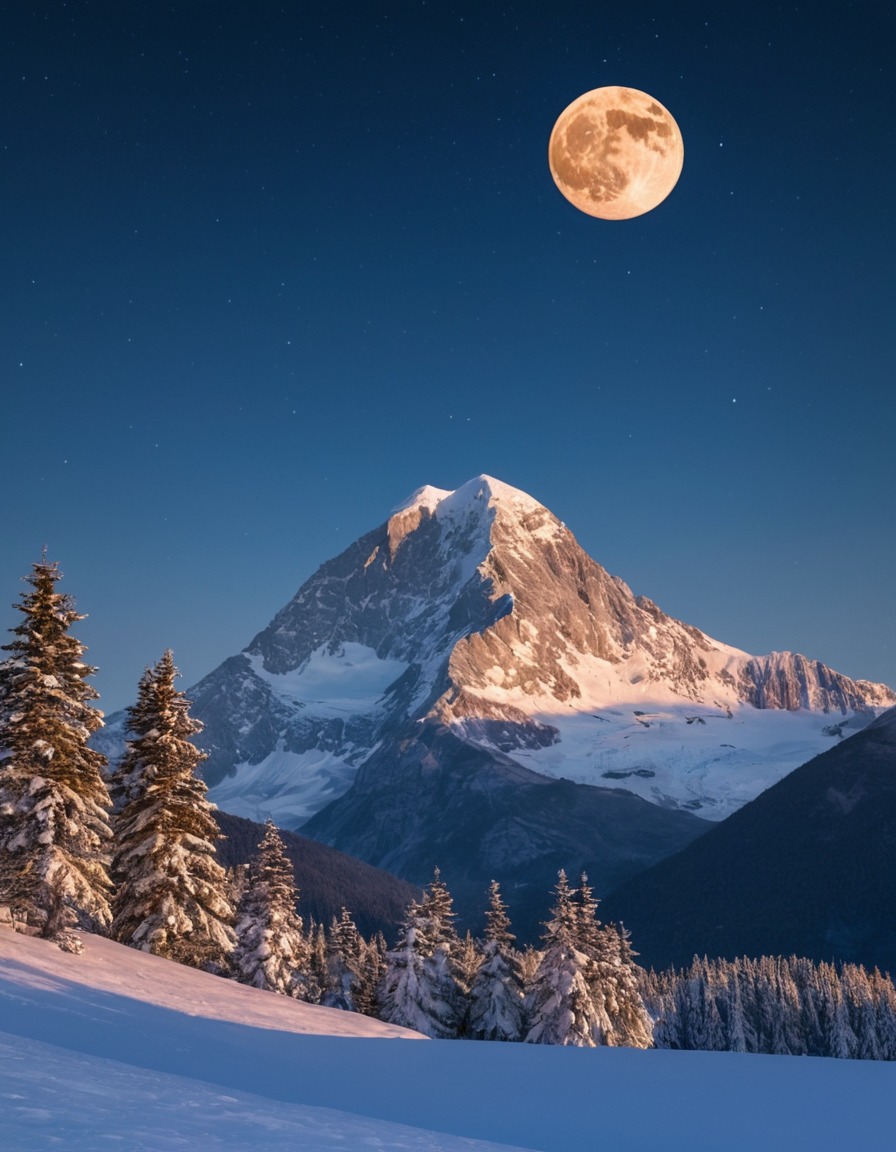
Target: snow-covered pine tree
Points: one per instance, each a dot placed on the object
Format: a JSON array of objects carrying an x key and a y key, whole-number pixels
[
  {"x": 703, "y": 1026},
  {"x": 559, "y": 1006},
  {"x": 467, "y": 959},
  {"x": 54, "y": 825},
  {"x": 402, "y": 994},
  {"x": 371, "y": 972},
  {"x": 885, "y": 1003},
  {"x": 445, "y": 992},
  {"x": 496, "y": 993},
  {"x": 839, "y": 1038},
  {"x": 630, "y": 1022},
  {"x": 736, "y": 1025},
  {"x": 529, "y": 959},
  {"x": 438, "y": 908},
  {"x": 419, "y": 989},
  {"x": 271, "y": 950},
  {"x": 789, "y": 1040},
  {"x": 315, "y": 978},
  {"x": 612, "y": 976},
  {"x": 172, "y": 898},
  {"x": 864, "y": 1017},
  {"x": 345, "y": 959},
  {"x": 658, "y": 992},
  {"x": 597, "y": 943},
  {"x": 128, "y": 779}
]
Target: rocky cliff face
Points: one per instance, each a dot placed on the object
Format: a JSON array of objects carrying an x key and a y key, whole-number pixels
[{"x": 478, "y": 611}]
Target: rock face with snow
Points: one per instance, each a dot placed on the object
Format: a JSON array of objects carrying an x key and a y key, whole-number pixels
[{"x": 477, "y": 613}]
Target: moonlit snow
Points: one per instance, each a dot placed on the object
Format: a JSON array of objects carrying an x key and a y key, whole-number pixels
[{"x": 117, "y": 1049}]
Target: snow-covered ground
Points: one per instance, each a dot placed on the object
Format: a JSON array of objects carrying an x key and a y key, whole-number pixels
[{"x": 114, "y": 1049}]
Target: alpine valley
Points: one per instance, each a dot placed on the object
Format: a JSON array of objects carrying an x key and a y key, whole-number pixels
[{"x": 465, "y": 687}]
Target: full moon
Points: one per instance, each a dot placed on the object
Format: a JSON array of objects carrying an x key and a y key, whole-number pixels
[{"x": 615, "y": 153}]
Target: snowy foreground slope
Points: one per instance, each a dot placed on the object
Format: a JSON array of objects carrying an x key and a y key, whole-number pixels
[{"x": 116, "y": 1049}]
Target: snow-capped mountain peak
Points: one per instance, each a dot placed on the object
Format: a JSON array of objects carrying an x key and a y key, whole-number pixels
[
  {"x": 466, "y": 515},
  {"x": 477, "y": 610},
  {"x": 481, "y": 493}
]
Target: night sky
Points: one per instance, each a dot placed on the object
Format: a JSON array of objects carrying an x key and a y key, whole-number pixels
[{"x": 267, "y": 268}]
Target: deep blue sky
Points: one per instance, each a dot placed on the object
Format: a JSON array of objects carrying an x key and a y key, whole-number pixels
[{"x": 266, "y": 268}]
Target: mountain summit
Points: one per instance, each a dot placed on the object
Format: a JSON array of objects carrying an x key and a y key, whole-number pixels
[{"x": 476, "y": 610}]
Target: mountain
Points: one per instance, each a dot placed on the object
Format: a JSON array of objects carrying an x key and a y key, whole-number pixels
[
  {"x": 806, "y": 868},
  {"x": 478, "y": 609},
  {"x": 465, "y": 686}
]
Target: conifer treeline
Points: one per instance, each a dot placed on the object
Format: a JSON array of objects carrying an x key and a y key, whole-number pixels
[
  {"x": 581, "y": 989},
  {"x": 788, "y": 1007}
]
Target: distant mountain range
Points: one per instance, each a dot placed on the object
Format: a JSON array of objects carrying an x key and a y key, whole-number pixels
[
  {"x": 465, "y": 686},
  {"x": 805, "y": 869}
]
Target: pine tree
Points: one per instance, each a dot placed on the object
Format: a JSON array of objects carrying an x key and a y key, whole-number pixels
[
  {"x": 370, "y": 975},
  {"x": 401, "y": 996},
  {"x": 529, "y": 959},
  {"x": 172, "y": 898},
  {"x": 658, "y": 991},
  {"x": 702, "y": 1025},
  {"x": 839, "y": 1038},
  {"x": 467, "y": 957},
  {"x": 612, "y": 977},
  {"x": 559, "y": 1004},
  {"x": 597, "y": 943},
  {"x": 885, "y": 1010},
  {"x": 438, "y": 910},
  {"x": 630, "y": 1022},
  {"x": 444, "y": 990},
  {"x": 345, "y": 959},
  {"x": 496, "y": 993},
  {"x": 271, "y": 950},
  {"x": 54, "y": 827},
  {"x": 127, "y": 781},
  {"x": 315, "y": 978},
  {"x": 419, "y": 989},
  {"x": 863, "y": 1012}
]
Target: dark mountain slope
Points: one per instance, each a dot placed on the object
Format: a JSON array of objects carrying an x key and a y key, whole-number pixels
[
  {"x": 479, "y": 816},
  {"x": 327, "y": 879},
  {"x": 808, "y": 867}
]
